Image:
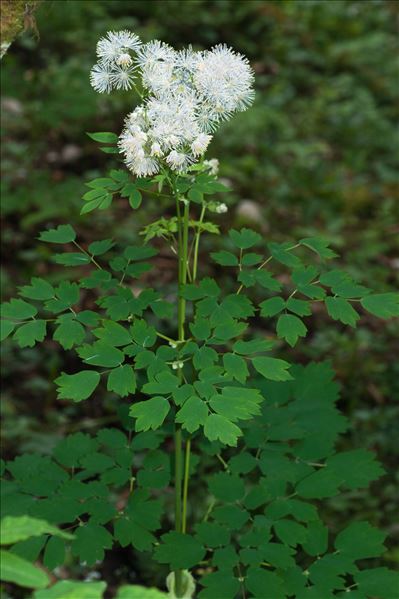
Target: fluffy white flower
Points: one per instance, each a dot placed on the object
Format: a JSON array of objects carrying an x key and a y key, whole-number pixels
[
  {"x": 100, "y": 78},
  {"x": 212, "y": 166},
  {"x": 144, "y": 167},
  {"x": 155, "y": 52},
  {"x": 124, "y": 60},
  {"x": 224, "y": 78},
  {"x": 157, "y": 77},
  {"x": 221, "y": 208},
  {"x": 122, "y": 78},
  {"x": 178, "y": 161},
  {"x": 111, "y": 47},
  {"x": 173, "y": 122},
  {"x": 200, "y": 144},
  {"x": 156, "y": 150}
]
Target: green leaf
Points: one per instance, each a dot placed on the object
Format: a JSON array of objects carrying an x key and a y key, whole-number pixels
[
  {"x": 101, "y": 182},
  {"x": 360, "y": 541},
  {"x": 17, "y": 309},
  {"x": 139, "y": 252},
  {"x": 200, "y": 329},
  {"x": 320, "y": 484},
  {"x": 236, "y": 367},
  {"x": 357, "y": 467},
  {"x": 254, "y": 346},
  {"x": 299, "y": 307},
  {"x": 104, "y": 137},
  {"x": 67, "y": 295},
  {"x": 122, "y": 380},
  {"x": 112, "y": 333},
  {"x": 39, "y": 289},
  {"x": 27, "y": 334},
  {"x": 290, "y": 328},
  {"x": 138, "y": 592},
  {"x": 235, "y": 403},
  {"x": 90, "y": 542},
  {"x": 98, "y": 248},
  {"x": 68, "y": 589},
  {"x": 54, "y": 553},
  {"x": 272, "y": 306},
  {"x": 225, "y": 258},
  {"x": 77, "y": 386},
  {"x": 378, "y": 582},
  {"x": 142, "y": 516},
  {"x": 264, "y": 584},
  {"x": 101, "y": 354},
  {"x": 245, "y": 238},
  {"x": 62, "y": 234},
  {"x": 164, "y": 383},
  {"x": 272, "y": 368},
  {"x": 320, "y": 246},
  {"x": 19, "y": 528},
  {"x": 7, "y": 328},
  {"x": 179, "y": 551},
  {"x": 227, "y": 487},
  {"x": 143, "y": 334},
  {"x": 251, "y": 259},
  {"x": 340, "y": 309},
  {"x": 382, "y": 305},
  {"x": 71, "y": 259},
  {"x": 193, "y": 414},
  {"x": 278, "y": 555},
  {"x": 317, "y": 541},
  {"x": 212, "y": 534},
  {"x": 15, "y": 569},
  {"x": 72, "y": 448},
  {"x": 150, "y": 414},
  {"x": 219, "y": 428},
  {"x": 94, "y": 194},
  {"x": 266, "y": 280},
  {"x": 110, "y": 150},
  {"x": 135, "y": 199},
  {"x": 282, "y": 253},
  {"x": 290, "y": 532},
  {"x": 69, "y": 331},
  {"x": 242, "y": 463}
]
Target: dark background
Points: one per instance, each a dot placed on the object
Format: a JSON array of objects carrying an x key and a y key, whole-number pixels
[{"x": 315, "y": 155}]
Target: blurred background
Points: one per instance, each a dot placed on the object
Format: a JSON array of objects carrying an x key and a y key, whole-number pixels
[{"x": 315, "y": 155}]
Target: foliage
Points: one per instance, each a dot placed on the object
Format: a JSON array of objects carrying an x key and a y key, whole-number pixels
[{"x": 284, "y": 420}]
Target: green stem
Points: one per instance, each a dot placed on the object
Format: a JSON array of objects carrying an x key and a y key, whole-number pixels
[
  {"x": 181, "y": 317},
  {"x": 185, "y": 484},
  {"x": 196, "y": 245}
]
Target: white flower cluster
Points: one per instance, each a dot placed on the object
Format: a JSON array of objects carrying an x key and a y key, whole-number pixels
[{"x": 187, "y": 94}]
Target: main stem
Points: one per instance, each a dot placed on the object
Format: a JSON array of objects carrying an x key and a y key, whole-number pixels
[{"x": 180, "y": 525}]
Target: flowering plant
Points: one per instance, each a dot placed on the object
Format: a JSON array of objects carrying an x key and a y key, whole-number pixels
[{"x": 256, "y": 433}]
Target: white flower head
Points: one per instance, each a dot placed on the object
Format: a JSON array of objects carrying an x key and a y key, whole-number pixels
[
  {"x": 117, "y": 43},
  {"x": 156, "y": 150},
  {"x": 122, "y": 78},
  {"x": 155, "y": 52},
  {"x": 100, "y": 78},
  {"x": 212, "y": 166},
  {"x": 200, "y": 144},
  {"x": 224, "y": 78},
  {"x": 124, "y": 60},
  {"x": 178, "y": 161},
  {"x": 187, "y": 94},
  {"x": 221, "y": 208},
  {"x": 145, "y": 166}
]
